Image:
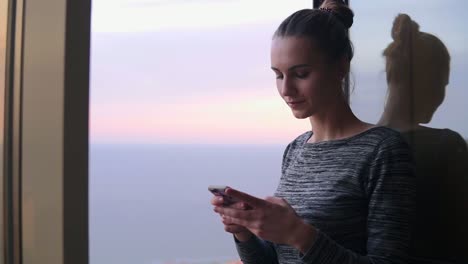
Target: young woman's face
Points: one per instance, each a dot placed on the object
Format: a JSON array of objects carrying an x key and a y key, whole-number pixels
[{"x": 305, "y": 79}]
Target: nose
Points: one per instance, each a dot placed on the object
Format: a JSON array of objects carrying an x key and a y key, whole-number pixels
[{"x": 286, "y": 87}]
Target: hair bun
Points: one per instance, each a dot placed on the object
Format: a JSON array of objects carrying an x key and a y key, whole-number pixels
[
  {"x": 403, "y": 27},
  {"x": 340, "y": 10}
]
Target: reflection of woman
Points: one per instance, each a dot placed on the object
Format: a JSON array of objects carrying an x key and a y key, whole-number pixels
[
  {"x": 417, "y": 66},
  {"x": 346, "y": 190}
]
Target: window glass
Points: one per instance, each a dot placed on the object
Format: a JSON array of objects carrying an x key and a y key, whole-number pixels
[
  {"x": 182, "y": 97},
  {"x": 410, "y": 74}
]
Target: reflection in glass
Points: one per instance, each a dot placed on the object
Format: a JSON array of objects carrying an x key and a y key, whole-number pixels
[{"x": 418, "y": 70}]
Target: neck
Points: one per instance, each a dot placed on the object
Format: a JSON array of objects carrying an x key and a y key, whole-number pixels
[
  {"x": 336, "y": 122},
  {"x": 397, "y": 112}
]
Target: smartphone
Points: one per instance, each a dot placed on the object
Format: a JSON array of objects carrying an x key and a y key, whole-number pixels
[{"x": 220, "y": 190}]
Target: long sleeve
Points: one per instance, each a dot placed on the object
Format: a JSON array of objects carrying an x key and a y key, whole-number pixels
[
  {"x": 256, "y": 251},
  {"x": 390, "y": 191}
]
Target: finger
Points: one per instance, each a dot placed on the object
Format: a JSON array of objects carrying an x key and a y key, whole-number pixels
[
  {"x": 217, "y": 200},
  {"x": 240, "y": 206},
  {"x": 227, "y": 220},
  {"x": 249, "y": 199},
  {"x": 276, "y": 200},
  {"x": 220, "y": 201},
  {"x": 237, "y": 221},
  {"x": 234, "y": 229},
  {"x": 270, "y": 199},
  {"x": 235, "y": 213}
]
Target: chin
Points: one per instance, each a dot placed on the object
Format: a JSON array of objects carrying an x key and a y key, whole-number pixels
[
  {"x": 425, "y": 119},
  {"x": 301, "y": 114}
]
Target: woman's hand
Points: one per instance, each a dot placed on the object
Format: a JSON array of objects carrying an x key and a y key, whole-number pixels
[
  {"x": 242, "y": 234},
  {"x": 272, "y": 219}
]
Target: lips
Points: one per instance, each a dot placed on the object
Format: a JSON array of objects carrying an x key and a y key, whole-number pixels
[{"x": 295, "y": 103}]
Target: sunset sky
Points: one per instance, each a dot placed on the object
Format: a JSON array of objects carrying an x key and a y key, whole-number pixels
[{"x": 174, "y": 71}]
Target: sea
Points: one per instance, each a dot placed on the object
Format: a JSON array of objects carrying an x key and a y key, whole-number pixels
[{"x": 149, "y": 203}]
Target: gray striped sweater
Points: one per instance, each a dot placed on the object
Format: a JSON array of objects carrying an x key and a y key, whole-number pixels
[{"x": 358, "y": 192}]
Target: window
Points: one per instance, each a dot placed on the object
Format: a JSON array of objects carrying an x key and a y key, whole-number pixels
[
  {"x": 371, "y": 34},
  {"x": 422, "y": 93},
  {"x": 132, "y": 149},
  {"x": 182, "y": 96},
  {"x": 45, "y": 177}
]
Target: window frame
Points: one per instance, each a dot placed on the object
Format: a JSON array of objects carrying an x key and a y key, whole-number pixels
[{"x": 45, "y": 179}]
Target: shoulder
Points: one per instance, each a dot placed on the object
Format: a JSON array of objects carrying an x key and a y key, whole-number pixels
[
  {"x": 390, "y": 146},
  {"x": 299, "y": 141},
  {"x": 453, "y": 138},
  {"x": 436, "y": 139},
  {"x": 382, "y": 134},
  {"x": 302, "y": 138},
  {"x": 385, "y": 144},
  {"x": 391, "y": 161},
  {"x": 451, "y": 144},
  {"x": 294, "y": 147},
  {"x": 375, "y": 140},
  {"x": 444, "y": 135},
  {"x": 384, "y": 137}
]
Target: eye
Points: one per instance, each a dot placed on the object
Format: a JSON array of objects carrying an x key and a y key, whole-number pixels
[
  {"x": 302, "y": 75},
  {"x": 278, "y": 74}
]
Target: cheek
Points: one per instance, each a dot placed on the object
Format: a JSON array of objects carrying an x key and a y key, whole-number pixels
[
  {"x": 324, "y": 86},
  {"x": 312, "y": 86}
]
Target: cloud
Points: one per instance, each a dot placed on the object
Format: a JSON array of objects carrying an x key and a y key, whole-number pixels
[
  {"x": 141, "y": 16},
  {"x": 164, "y": 66},
  {"x": 243, "y": 120},
  {"x": 136, "y": 76}
]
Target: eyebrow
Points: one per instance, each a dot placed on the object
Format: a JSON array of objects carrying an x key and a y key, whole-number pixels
[{"x": 294, "y": 67}]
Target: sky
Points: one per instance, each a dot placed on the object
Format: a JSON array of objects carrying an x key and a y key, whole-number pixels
[{"x": 199, "y": 71}]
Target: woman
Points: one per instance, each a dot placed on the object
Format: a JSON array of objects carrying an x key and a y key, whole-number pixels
[{"x": 346, "y": 190}]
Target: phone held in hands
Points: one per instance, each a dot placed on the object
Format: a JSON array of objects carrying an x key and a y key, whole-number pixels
[{"x": 220, "y": 190}]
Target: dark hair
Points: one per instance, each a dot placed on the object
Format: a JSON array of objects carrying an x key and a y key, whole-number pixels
[
  {"x": 327, "y": 26},
  {"x": 413, "y": 50}
]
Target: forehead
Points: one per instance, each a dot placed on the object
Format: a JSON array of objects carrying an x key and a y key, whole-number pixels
[{"x": 290, "y": 51}]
